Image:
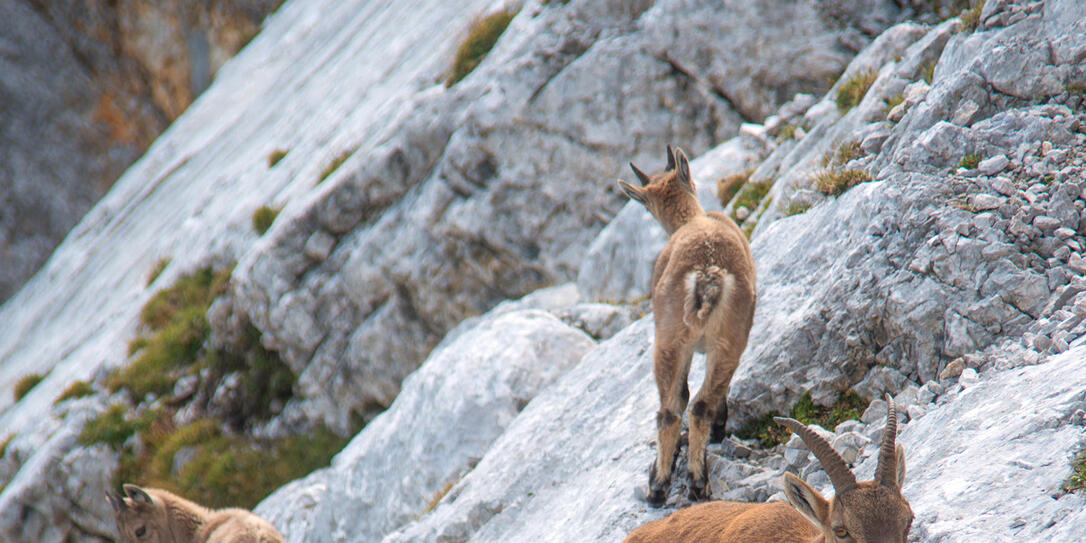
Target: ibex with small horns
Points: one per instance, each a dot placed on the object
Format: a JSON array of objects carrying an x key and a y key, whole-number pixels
[
  {"x": 867, "y": 512},
  {"x": 152, "y": 515},
  {"x": 703, "y": 296}
]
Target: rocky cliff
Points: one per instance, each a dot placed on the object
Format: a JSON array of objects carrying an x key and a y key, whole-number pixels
[
  {"x": 917, "y": 229},
  {"x": 87, "y": 86}
]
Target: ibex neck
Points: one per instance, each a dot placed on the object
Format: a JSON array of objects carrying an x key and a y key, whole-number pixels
[
  {"x": 679, "y": 213},
  {"x": 186, "y": 518}
]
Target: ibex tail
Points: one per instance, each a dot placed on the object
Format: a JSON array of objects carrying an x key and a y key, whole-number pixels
[{"x": 706, "y": 289}]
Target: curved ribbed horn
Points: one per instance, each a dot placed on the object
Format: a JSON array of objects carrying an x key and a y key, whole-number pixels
[
  {"x": 640, "y": 175},
  {"x": 835, "y": 466},
  {"x": 886, "y": 472},
  {"x": 670, "y": 160}
]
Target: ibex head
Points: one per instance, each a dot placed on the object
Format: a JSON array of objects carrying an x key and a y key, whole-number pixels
[
  {"x": 867, "y": 512},
  {"x": 140, "y": 519},
  {"x": 670, "y": 196}
]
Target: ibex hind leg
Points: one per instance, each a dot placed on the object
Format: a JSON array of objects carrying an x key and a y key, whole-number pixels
[
  {"x": 720, "y": 421},
  {"x": 720, "y": 366},
  {"x": 671, "y": 365}
]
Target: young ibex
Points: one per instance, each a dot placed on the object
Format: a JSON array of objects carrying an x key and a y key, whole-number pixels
[
  {"x": 703, "y": 296},
  {"x": 867, "y": 512},
  {"x": 152, "y": 515}
]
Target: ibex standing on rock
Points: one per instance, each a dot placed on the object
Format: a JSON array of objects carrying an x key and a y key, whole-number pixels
[
  {"x": 867, "y": 512},
  {"x": 703, "y": 295},
  {"x": 156, "y": 516}
]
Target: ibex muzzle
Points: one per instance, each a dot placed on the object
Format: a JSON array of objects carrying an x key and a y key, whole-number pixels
[{"x": 703, "y": 296}]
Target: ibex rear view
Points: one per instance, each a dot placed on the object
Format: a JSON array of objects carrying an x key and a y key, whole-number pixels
[
  {"x": 864, "y": 512},
  {"x": 703, "y": 296}
]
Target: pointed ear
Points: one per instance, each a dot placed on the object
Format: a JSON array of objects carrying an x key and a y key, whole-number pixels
[
  {"x": 116, "y": 502},
  {"x": 137, "y": 494},
  {"x": 899, "y": 452},
  {"x": 682, "y": 168},
  {"x": 670, "y": 160},
  {"x": 633, "y": 192},
  {"x": 806, "y": 500}
]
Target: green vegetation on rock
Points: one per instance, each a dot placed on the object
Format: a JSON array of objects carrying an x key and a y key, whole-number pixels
[
  {"x": 77, "y": 389},
  {"x": 1077, "y": 481},
  {"x": 26, "y": 384},
  {"x": 768, "y": 433},
  {"x": 834, "y": 183},
  {"x": 853, "y": 90},
  {"x": 482, "y": 36},
  {"x": 263, "y": 218}
]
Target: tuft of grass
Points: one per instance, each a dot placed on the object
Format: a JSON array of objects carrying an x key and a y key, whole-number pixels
[
  {"x": 844, "y": 153},
  {"x": 263, "y": 218},
  {"x": 174, "y": 346},
  {"x": 853, "y": 90},
  {"x": 275, "y": 157},
  {"x": 157, "y": 269},
  {"x": 786, "y": 132},
  {"x": 77, "y": 389},
  {"x": 796, "y": 208},
  {"x": 750, "y": 196},
  {"x": 1075, "y": 88},
  {"x": 971, "y": 17},
  {"x": 1077, "y": 480},
  {"x": 335, "y": 164},
  {"x": 24, "y": 386},
  {"x": 265, "y": 379},
  {"x": 482, "y": 36},
  {"x": 437, "y": 497},
  {"x": 969, "y": 162},
  {"x": 849, "y": 405},
  {"x": 927, "y": 71},
  {"x": 727, "y": 187},
  {"x": 894, "y": 101},
  {"x": 835, "y": 183},
  {"x": 4, "y": 445}
]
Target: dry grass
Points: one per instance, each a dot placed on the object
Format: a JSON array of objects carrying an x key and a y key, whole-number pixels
[
  {"x": 971, "y": 17},
  {"x": 853, "y": 90},
  {"x": 727, "y": 187},
  {"x": 275, "y": 157},
  {"x": 835, "y": 183},
  {"x": 482, "y": 36}
]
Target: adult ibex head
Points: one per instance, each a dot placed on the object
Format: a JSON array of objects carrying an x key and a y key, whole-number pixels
[{"x": 860, "y": 512}]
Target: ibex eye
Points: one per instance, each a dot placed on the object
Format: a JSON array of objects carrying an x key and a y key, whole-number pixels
[
  {"x": 841, "y": 533},
  {"x": 141, "y": 531}
]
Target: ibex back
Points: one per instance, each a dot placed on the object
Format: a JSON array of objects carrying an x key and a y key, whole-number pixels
[
  {"x": 867, "y": 512},
  {"x": 703, "y": 296}
]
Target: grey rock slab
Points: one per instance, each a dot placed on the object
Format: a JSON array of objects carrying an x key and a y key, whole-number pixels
[
  {"x": 993, "y": 165},
  {"x": 447, "y": 416}
]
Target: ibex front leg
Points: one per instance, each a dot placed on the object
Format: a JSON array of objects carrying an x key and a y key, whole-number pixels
[{"x": 671, "y": 365}]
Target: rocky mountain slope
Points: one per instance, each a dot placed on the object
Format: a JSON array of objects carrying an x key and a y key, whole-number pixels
[
  {"x": 950, "y": 275},
  {"x": 87, "y": 86}
]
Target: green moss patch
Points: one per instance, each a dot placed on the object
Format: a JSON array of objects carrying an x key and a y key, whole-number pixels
[
  {"x": 482, "y": 36},
  {"x": 115, "y": 426},
  {"x": 853, "y": 90},
  {"x": 727, "y": 187},
  {"x": 768, "y": 433},
  {"x": 196, "y": 290},
  {"x": 1077, "y": 481},
  {"x": 750, "y": 196},
  {"x": 969, "y": 162},
  {"x": 26, "y": 384},
  {"x": 263, "y": 218},
  {"x": 77, "y": 389},
  {"x": 275, "y": 157}
]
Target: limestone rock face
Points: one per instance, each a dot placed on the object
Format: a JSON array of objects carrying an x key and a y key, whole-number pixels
[
  {"x": 412, "y": 454},
  {"x": 88, "y": 87}
]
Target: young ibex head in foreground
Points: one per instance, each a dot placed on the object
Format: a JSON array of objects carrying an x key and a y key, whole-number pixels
[
  {"x": 867, "y": 512},
  {"x": 703, "y": 296},
  {"x": 152, "y": 515}
]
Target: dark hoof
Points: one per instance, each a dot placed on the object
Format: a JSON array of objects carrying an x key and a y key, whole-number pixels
[
  {"x": 657, "y": 491},
  {"x": 699, "y": 492}
]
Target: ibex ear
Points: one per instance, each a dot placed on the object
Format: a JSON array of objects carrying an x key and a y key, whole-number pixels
[
  {"x": 899, "y": 452},
  {"x": 633, "y": 192},
  {"x": 806, "y": 500},
  {"x": 137, "y": 494},
  {"x": 682, "y": 171}
]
